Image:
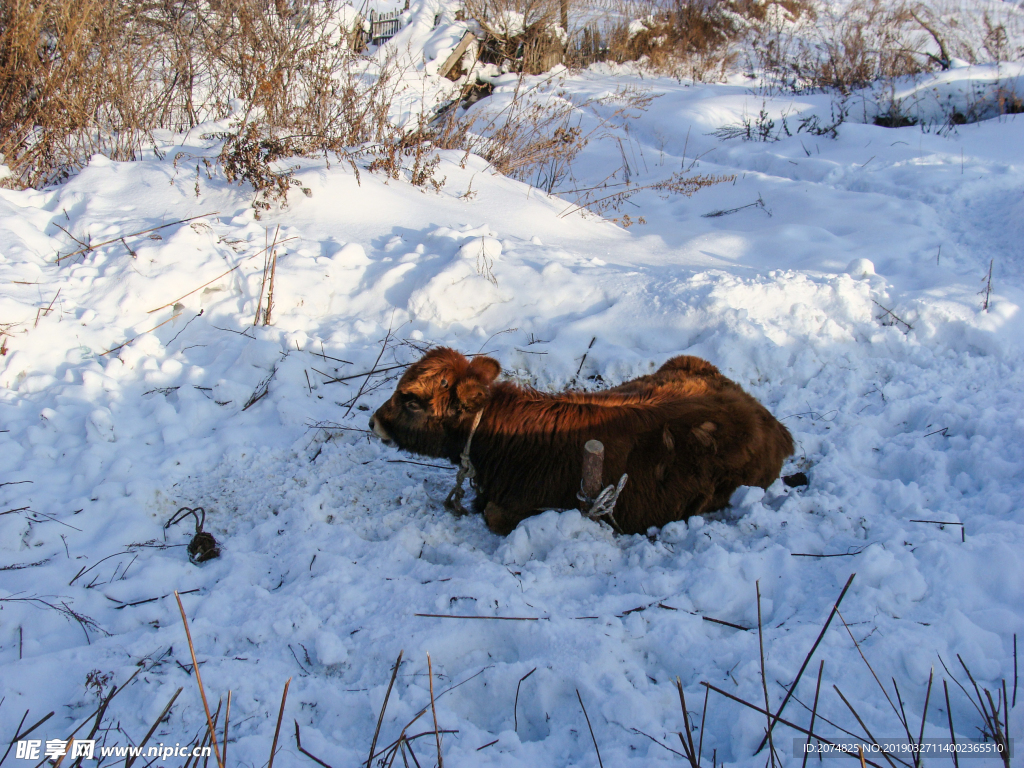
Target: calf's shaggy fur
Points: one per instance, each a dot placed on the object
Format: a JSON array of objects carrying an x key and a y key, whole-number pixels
[{"x": 686, "y": 435}]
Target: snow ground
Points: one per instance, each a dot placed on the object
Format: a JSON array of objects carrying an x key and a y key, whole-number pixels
[{"x": 329, "y": 547}]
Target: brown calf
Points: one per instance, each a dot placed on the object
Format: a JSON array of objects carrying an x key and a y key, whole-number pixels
[{"x": 686, "y": 435}]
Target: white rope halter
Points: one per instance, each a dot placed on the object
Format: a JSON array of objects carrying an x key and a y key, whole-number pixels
[
  {"x": 466, "y": 471},
  {"x": 604, "y": 504}
]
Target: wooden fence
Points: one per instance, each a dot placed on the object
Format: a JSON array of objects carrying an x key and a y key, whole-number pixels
[{"x": 384, "y": 26}]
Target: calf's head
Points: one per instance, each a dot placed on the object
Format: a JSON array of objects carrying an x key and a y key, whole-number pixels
[{"x": 435, "y": 400}]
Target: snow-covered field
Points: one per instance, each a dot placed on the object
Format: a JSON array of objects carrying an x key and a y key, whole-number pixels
[{"x": 847, "y": 301}]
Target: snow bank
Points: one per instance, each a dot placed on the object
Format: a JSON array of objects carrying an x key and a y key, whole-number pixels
[{"x": 847, "y": 302}]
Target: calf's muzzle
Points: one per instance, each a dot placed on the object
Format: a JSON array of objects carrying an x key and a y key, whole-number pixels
[{"x": 379, "y": 431}]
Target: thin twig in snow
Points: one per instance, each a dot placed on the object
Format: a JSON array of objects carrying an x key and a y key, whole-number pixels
[
  {"x": 794, "y": 726},
  {"x": 19, "y": 734},
  {"x": 384, "y": 706},
  {"x": 949, "y": 716},
  {"x": 814, "y": 713},
  {"x": 764, "y": 679},
  {"x": 592, "y": 737},
  {"x": 895, "y": 317},
  {"x": 218, "y": 277},
  {"x": 871, "y": 738},
  {"x": 515, "y": 706},
  {"x": 199, "y": 681},
  {"x": 363, "y": 373},
  {"x": 310, "y": 755},
  {"x": 807, "y": 658},
  {"x": 486, "y": 618},
  {"x": 91, "y": 247},
  {"x": 277, "y": 730},
  {"x": 433, "y": 711},
  {"x": 373, "y": 370}
]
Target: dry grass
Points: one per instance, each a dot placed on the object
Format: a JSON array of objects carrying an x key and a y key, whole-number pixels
[
  {"x": 991, "y": 705},
  {"x": 801, "y": 45},
  {"x": 97, "y": 76},
  {"x": 993, "y": 709},
  {"x": 534, "y": 138},
  {"x": 71, "y": 76},
  {"x": 537, "y": 135},
  {"x": 199, "y": 684},
  {"x": 102, "y": 76},
  {"x": 692, "y": 40},
  {"x": 874, "y": 41}
]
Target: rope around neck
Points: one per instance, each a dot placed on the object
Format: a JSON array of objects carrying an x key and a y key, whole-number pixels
[{"x": 466, "y": 471}]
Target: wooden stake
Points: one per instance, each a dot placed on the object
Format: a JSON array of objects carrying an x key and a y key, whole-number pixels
[
  {"x": 593, "y": 468},
  {"x": 460, "y": 49}
]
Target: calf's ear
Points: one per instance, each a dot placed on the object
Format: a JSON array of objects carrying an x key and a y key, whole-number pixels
[
  {"x": 471, "y": 390},
  {"x": 485, "y": 368}
]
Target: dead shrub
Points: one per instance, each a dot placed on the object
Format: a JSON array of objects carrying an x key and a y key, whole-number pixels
[
  {"x": 526, "y": 36},
  {"x": 694, "y": 39},
  {"x": 994, "y": 35},
  {"x": 996, "y": 42},
  {"x": 97, "y": 76},
  {"x": 686, "y": 39},
  {"x": 872, "y": 41},
  {"x": 73, "y": 83},
  {"x": 392, "y": 156},
  {"x": 777, "y": 41},
  {"x": 536, "y": 136},
  {"x": 600, "y": 200},
  {"x": 796, "y": 47},
  {"x": 1010, "y": 102},
  {"x": 761, "y": 128},
  {"x": 300, "y": 90}
]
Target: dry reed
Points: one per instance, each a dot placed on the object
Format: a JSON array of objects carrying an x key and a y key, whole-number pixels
[{"x": 199, "y": 682}]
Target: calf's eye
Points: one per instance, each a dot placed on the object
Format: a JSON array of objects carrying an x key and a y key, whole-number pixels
[{"x": 414, "y": 405}]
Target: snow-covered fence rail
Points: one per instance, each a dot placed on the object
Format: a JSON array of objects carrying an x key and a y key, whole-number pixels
[{"x": 384, "y": 26}]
